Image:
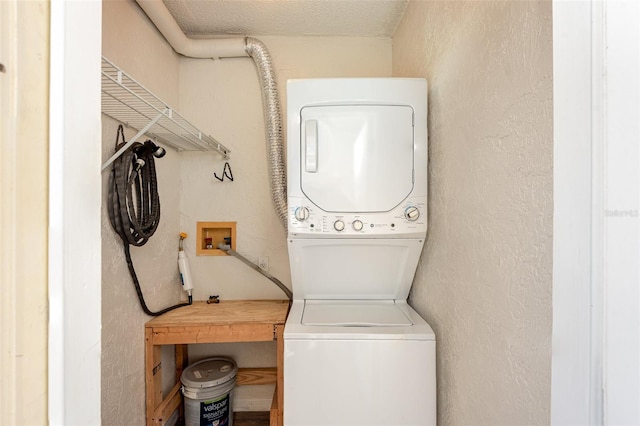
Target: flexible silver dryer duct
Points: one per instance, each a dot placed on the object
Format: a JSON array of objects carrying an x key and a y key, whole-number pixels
[
  {"x": 233, "y": 48},
  {"x": 273, "y": 122}
]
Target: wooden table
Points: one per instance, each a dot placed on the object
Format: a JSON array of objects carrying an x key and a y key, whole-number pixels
[{"x": 227, "y": 321}]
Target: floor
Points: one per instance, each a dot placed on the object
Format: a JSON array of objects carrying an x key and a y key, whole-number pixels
[{"x": 251, "y": 418}]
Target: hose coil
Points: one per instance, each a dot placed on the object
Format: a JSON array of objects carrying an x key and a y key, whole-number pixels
[{"x": 134, "y": 204}]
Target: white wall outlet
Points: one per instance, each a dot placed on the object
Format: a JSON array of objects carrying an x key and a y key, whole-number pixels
[{"x": 263, "y": 263}]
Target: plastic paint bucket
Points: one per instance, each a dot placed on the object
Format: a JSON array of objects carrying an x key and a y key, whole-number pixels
[{"x": 207, "y": 387}]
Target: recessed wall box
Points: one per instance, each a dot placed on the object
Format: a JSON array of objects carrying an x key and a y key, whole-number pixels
[{"x": 210, "y": 234}]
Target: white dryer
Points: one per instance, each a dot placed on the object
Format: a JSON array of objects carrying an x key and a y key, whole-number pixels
[{"x": 355, "y": 352}]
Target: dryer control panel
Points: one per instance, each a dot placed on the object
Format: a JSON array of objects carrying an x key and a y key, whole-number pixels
[{"x": 408, "y": 218}]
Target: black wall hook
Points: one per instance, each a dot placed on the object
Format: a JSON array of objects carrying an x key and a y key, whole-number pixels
[{"x": 226, "y": 172}]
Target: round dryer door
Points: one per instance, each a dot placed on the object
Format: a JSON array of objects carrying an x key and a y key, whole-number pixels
[{"x": 356, "y": 158}]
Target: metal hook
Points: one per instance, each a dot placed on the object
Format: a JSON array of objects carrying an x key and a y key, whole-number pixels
[{"x": 226, "y": 172}]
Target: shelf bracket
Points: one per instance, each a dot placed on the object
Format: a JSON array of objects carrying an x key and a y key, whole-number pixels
[{"x": 133, "y": 139}]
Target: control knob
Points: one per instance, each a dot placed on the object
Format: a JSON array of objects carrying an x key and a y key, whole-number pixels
[
  {"x": 338, "y": 225},
  {"x": 302, "y": 214},
  {"x": 357, "y": 225},
  {"x": 411, "y": 213}
]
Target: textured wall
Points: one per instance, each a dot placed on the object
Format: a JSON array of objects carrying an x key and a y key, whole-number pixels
[
  {"x": 132, "y": 42},
  {"x": 484, "y": 281}
]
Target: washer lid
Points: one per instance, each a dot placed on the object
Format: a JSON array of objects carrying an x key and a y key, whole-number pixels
[{"x": 354, "y": 314}]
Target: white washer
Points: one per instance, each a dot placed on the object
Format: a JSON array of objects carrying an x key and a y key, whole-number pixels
[{"x": 355, "y": 352}]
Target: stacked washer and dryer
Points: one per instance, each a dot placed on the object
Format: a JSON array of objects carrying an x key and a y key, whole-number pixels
[{"x": 355, "y": 352}]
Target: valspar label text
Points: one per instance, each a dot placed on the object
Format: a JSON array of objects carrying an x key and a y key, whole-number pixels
[{"x": 215, "y": 412}]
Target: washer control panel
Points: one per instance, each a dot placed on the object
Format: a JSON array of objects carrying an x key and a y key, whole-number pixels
[{"x": 409, "y": 217}]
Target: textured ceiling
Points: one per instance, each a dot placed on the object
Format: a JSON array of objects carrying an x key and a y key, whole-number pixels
[{"x": 372, "y": 18}]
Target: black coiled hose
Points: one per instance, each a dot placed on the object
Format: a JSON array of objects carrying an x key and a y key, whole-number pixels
[{"x": 134, "y": 203}]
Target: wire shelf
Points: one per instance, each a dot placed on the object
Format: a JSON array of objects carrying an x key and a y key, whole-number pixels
[{"x": 127, "y": 101}]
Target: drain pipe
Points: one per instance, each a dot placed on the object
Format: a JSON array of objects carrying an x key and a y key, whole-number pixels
[{"x": 234, "y": 48}]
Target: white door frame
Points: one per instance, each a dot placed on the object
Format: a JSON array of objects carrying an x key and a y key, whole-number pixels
[
  {"x": 575, "y": 364},
  {"x": 596, "y": 328},
  {"x": 74, "y": 213}
]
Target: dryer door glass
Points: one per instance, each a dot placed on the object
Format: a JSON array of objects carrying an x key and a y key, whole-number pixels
[{"x": 356, "y": 158}]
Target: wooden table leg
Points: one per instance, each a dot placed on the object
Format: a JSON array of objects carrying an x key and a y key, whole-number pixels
[
  {"x": 182, "y": 360},
  {"x": 280, "y": 378},
  {"x": 153, "y": 375}
]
